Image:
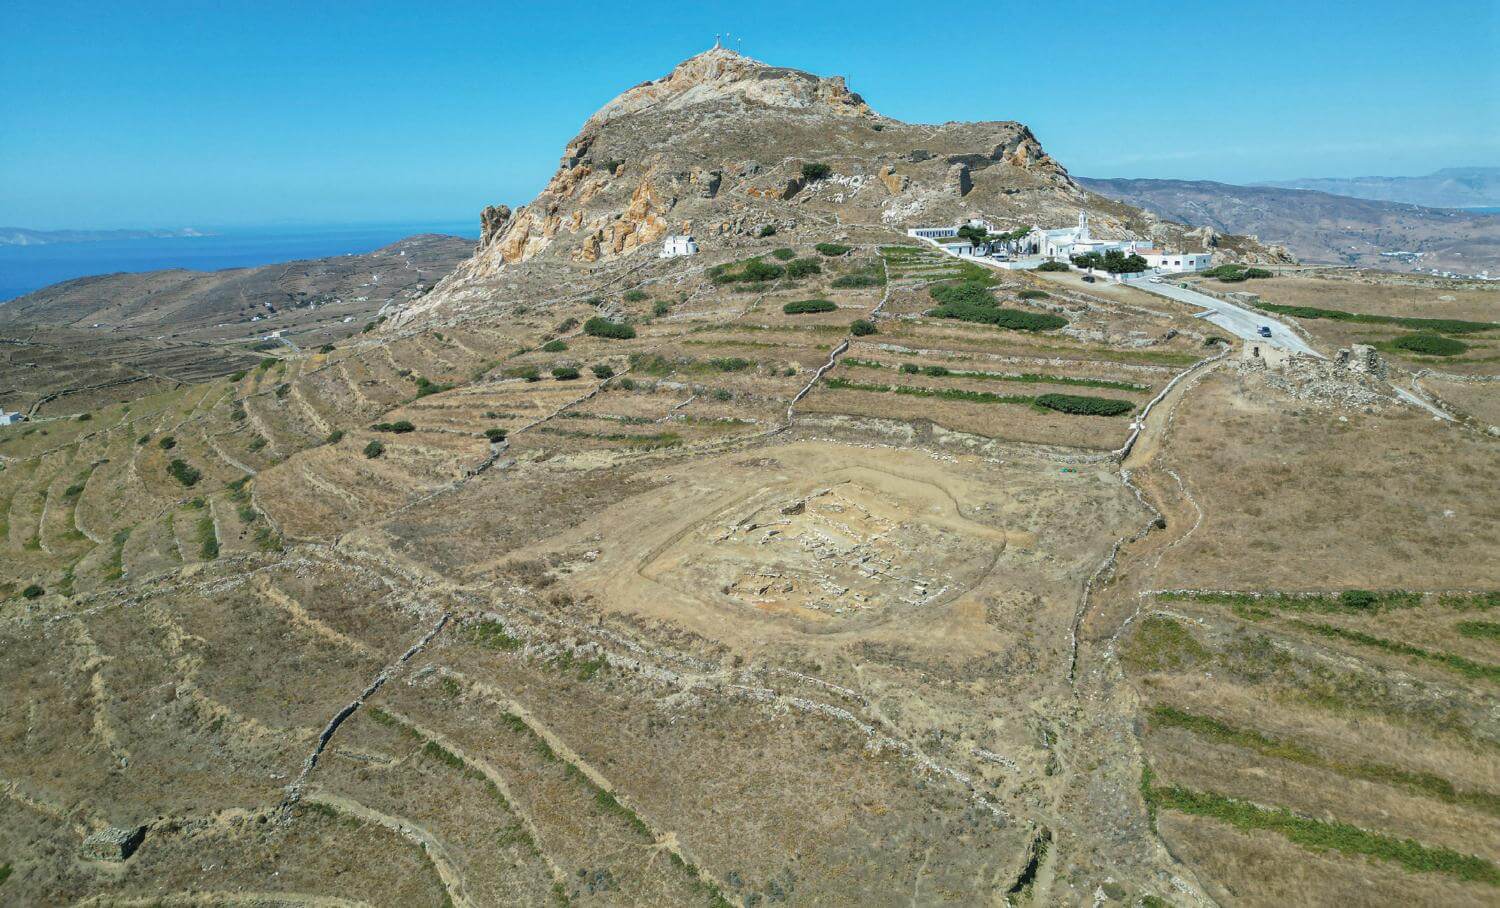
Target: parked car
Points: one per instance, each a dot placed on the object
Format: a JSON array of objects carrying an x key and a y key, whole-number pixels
[
  {"x": 1089, "y": 279},
  {"x": 1156, "y": 280},
  {"x": 1265, "y": 330}
]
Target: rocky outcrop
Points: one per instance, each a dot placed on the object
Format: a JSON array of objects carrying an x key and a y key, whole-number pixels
[
  {"x": 492, "y": 222},
  {"x": 895, "y": 183},
  {"x": 113, "y": 843},
  {"x": 958, "y": 179}
]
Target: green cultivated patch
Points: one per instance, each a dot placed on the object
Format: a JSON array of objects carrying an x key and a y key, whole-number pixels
[
  {"x": 800, "y": 268},
  {"x": 1347, "y": 602},
  {"x": 1036, "y": 378},
  {"x": 1430, "y": 345},
  {"x": 1452, "y": 661},
  {"x": 862, "y": 327},
  {"x": 1423, "y": 783},
  {"x": 208, "y": 538},
  {"x": 1084, "y": 406},
  {"x": 1439, "y": 325},
  {"x": 492, "y": 635},
  {"x": 1320, "y": 835},
  {"x": 751, "y": 271},
  {"x": 832, "y": 249},
  {"x": 804, "y": 307},
  {"x": 972, "y": 301},
  {"x": 1162, "y": 644},
  {"x": 1478, "y": 630}
]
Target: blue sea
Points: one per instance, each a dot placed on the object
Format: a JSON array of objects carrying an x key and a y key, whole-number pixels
[{"x": 27, "y": 268}]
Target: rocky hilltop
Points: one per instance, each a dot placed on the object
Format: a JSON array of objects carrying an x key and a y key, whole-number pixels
[{"x": 717, "y": 148}]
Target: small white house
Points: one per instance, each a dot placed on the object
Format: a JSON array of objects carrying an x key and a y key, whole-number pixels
[
  {"x": 676, "y": 245},
  {"x": 1176, "y": 261},
  {"x": 10, "y": 419}
]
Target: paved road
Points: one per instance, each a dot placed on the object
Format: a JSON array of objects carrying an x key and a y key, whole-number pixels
[{"x": 1237, "y": 320}]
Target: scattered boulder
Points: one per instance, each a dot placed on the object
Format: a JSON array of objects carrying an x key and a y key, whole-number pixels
[{"x": 113, "y": 843}]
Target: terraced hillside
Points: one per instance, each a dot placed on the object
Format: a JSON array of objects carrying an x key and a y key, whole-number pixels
[{"x": 817, "y": 568}]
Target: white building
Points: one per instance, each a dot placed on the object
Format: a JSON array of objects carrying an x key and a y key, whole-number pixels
[
  {"x": 943, "y": 233},
  {"x": 1171, "y": 262},
  {"x": 676, "y": 245},
  {"x": 10, "y": 419},
  {"x": 1065, "y": 242}
]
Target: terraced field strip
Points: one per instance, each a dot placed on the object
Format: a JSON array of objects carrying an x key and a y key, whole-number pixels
[{"x": 1318, "y": 835}]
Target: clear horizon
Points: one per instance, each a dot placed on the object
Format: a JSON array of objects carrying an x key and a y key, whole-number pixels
[{"x": 263, "y": 114}]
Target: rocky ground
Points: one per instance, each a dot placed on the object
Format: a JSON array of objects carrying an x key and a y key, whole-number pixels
[{"x": 746, "y": 606}]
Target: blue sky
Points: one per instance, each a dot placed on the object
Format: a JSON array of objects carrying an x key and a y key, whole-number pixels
[{"x": 224, "y": 113}]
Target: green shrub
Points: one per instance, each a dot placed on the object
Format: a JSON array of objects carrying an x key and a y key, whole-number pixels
[
  {"x": 634, "y": 295},
  {"x": 267, "y": 363},
  {"x": 85, "y": 417},
  {"x": 183, "y": 473},
  {"x": 554, "y": 346},
  {"x": 722, "y": 394},
  {"x": 627, "y": 384},
  {"x": 143, "y": 439},
  {"x": 1083, "y": 405},
  {"x": 1033, "y": 294},
  {"x": 786, "y": 255},
  {"x": 963, "y": 293},
  {"x": 602, "y": 371},
  {"x": 1258, "y": 273},
  {"x": 910, "y": 368},
  {"x": 1430, "y": 344},
  {"x": 867, "y": 277},
  {"x": 603, "y": 327},
  {"x": 730, "y": 364},
  {"x": 326, "y": 348},
  {"x": 426, "y": 386},
  {"x": 1232, "y": 277},
  {"x": 495, "y": 434},
  {"x": 167, "y": 443},
  {"x": 237, "y": 376},
  {"x": 752, "y": 271},
  {"x": 813, "y": 171},
  {"x": 862, "y": 327},
  {"x": 1053, "y": 266},
  {"x": 336, "y": 436},
  {"x": 1359, "y": 599},
  {"x": 660, "y": 308},
  {"x": 564, "y": 373},
  {"x": 374, "y": 449},
  {"x": 399, "y": 427},
  {"x": 832, "y": 249},
  {"x": 767, "y": 230},
  {"x": 800, "y": 268},
  {"x": 1478, "y": 630},
  {"x": 33, "y": 592},
  {"x": 936, "y": 371},
  {"x": 804, "y": 307}
]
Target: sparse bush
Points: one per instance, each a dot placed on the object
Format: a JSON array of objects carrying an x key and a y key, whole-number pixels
[
  {"x": 813, "y": 171},
  {"x": 804, "y": 307},
  {"x": 634, "y": 295},
  {"x": 602, "y": 371},
  {"x": 767, "y": 230},
  {"x": 730, "y": 363},
  {"x": 554, "y": 346},
  {"x": 143, "y": 439},
  {"x": 627, "y": 384},
  {"x": 33, "y": 592},
  {"x": 910, "y": 368},
  {"x": 267, "y": 363},
  {"x": 603, "y": 327},
  {"x": 1083, "y": 405},
  {"x": 564, "y": 373},
  {"x": 167, "y": 443},
  {"x": 426, "y": 386},
  {"x": 1053, "y": 266},
  {"x": 936, "y": 371},
  {"x": 660, "y": 308},
  {"x": 336, "y": 436},
  {"x": 786, "y": 255},
  {"x": 1430, "y": 345},
  {"x": 399, "y": 427},
  {"x": 722, "y": 394},
  {"x": 832, "y": 250},
  {"x": 183, "y": 473},
  {"x": 326, "y": 348},
  {"x": 1033, "y": 294},
  {"x": 529, "y": 373},
  {"x": 237, "y": 376},
  {"x": 85, "y": 417},
  {"x": 374, "y": 449},
  {"x": 1258, "y": 273},
  {"x": 495, "y": 435},
  {"x": 862, "y": 327},
  {"x": 799, "y": 268}
]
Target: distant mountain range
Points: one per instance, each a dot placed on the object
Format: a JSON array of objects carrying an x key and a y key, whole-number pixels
[
  {"x": 1451, "y": 187},
  {"x": 23, "y": 236},
  {"x": 1321, "y": 227}
]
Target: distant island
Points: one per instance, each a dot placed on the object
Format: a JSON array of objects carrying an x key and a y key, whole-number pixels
[{"x": 23, "y": 236}]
